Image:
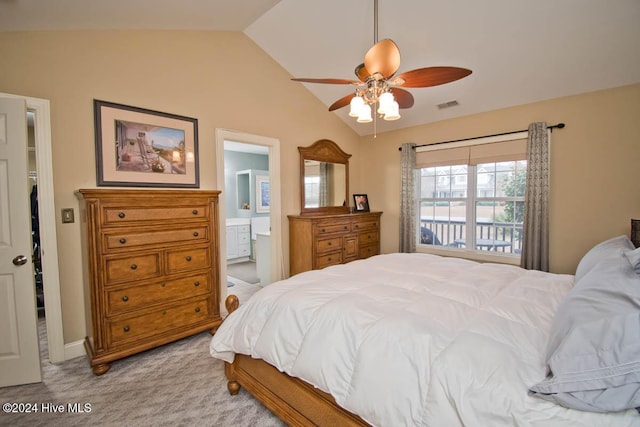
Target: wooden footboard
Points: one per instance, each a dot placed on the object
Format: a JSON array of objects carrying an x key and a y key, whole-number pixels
[{"x": 294, "y": 401}]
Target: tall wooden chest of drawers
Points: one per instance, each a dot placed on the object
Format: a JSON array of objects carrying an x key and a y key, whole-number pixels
[
  {"x": 318, "y": 241},
  {"x": 151, "y": 263}
]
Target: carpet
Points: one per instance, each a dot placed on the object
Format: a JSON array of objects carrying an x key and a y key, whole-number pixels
[
  {"x": 173, "y": 385},
  {"x": 245, "y": 271}
]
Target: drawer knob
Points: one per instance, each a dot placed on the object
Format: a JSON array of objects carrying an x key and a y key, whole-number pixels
[
  {"x": 126, "y": 328},
  {"x": 357, "y": 226},
  {"x": 188, "y": 258},
  {"x": 164, "y": 284},
  {"x": 121, "y": 215},
  {"x": 123, "y": 241},
  {"x": 125, "y": 298},
  {"x": 196, "y": 283},
  {"x": 195, "y": 234},
  {"x": 133, "y": 266},
  {"x": 346, "y": 228},
  {"x": 329, "y": 258},
  {"x": 197, "y": 310},
  {"x": 323, "y": 230},
  {"x": 195, "y": 212},
  {"x": 329, "y": 244},
  {"x": 164, "y": 312}
]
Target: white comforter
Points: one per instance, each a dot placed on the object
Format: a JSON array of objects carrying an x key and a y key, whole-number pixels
[{"x": 413, "y": 339}]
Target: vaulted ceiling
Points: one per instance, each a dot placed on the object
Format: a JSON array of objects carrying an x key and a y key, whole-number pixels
[{"x": 519, "y": 51}]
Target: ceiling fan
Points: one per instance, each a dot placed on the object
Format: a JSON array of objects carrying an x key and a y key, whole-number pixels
[{"x": 378, "y": 83}]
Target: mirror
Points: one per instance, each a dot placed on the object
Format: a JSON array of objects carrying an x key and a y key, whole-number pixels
[
  {"x": 324, "y": 178},
  {"x": 323, "y": 184}
]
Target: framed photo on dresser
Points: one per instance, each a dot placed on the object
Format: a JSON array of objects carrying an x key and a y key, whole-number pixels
[{"x": 361, "y": 202}]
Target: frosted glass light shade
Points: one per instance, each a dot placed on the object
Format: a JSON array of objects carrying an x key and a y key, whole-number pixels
[
  {"x": 385, "y": 103},
  {"x": 393, "y": 113},
  {"x": 365, "y": 114},
  {"x": 356, "y": 105}
]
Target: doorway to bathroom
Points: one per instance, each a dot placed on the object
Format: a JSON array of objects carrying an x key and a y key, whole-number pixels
[{"x": 250, "y": 212}]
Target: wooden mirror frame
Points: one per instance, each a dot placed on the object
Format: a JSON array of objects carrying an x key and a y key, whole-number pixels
[{"x": 324, "y": 150}]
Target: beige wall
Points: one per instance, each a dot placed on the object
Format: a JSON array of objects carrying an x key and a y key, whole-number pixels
[
  {"x": 594, "y": 166},
  {"x": 221, "y": 78},
  {"x": 225, "y": 81}
]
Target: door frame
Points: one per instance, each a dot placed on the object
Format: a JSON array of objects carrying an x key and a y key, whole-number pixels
[
  {"x": 47, "y": 224},
  {"x": 275, "y": 204}
]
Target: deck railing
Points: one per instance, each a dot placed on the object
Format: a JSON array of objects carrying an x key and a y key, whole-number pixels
[{"x": 492, "y": 236}]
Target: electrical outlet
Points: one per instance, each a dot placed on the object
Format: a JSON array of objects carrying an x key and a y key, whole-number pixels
[{"x": 67, "y": 216}]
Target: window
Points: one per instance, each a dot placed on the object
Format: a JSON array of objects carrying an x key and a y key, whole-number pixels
[
  {"x": 475, "y": 204},
  {"x": 311, "y": 191}
]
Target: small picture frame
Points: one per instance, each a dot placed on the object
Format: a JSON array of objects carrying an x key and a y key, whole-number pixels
[
  {"x": 361, "y": 202},
  {"x": 262, "y": 193}
]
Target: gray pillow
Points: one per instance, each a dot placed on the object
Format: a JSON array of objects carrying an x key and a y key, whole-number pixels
[
  {"x": 634, "y": 259},
  {"x": 593, "y": 352},
  {"x": 609, "y": 247}
]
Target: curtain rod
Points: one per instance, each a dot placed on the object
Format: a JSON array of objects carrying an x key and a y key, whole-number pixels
[{"x": 559, "y": 126}]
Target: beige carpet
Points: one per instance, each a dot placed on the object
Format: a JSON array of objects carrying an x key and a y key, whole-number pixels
[{"x": 178, "y": 384}]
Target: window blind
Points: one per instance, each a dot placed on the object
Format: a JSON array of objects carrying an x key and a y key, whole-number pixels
[{"x": 474, "y": 151}]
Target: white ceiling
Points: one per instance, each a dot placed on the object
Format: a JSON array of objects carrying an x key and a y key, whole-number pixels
[{"x": 520, "y": 51}]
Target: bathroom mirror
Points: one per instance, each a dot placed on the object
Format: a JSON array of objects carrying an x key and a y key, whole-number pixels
[{"x": 324, "y": 178}]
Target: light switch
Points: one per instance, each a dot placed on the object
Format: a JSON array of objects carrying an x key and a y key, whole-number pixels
[{"x": 67, "y": 215}]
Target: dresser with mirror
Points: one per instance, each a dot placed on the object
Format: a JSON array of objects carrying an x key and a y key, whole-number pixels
[{"x": 327, "y": 231}]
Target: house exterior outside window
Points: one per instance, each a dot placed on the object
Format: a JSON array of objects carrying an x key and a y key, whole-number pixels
[
  {"x": 473, "y": 203},
  {"x": 311, "y": 191}
]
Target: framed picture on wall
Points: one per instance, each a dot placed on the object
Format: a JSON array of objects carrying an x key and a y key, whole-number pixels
[
  {"x": 361, "y": 202},
  {"x": 262, "y": 193},
  {"x": 136, "y": 147}
]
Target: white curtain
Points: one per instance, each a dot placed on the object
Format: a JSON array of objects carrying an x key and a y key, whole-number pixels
[
  {"x": 408, "y": 206},
  {"x": 535, "y": 240}
]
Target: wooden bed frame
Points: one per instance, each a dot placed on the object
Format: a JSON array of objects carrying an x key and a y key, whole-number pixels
[{"x": 294, "y": 401}]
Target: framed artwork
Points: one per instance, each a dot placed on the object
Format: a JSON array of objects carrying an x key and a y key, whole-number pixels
[
  {"x": 361, "y": 202},
  {"x": 262, "y": 193},
  {"x": 144, "y": 148}
]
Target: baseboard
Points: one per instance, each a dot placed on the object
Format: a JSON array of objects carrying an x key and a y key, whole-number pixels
[{"x": 74, "y": 349}]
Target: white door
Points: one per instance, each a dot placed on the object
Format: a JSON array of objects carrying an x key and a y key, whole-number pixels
[{"x": 19, "y": 351}]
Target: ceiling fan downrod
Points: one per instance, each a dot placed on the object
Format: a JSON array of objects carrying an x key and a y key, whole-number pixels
[{"x": 375, "y": 21}]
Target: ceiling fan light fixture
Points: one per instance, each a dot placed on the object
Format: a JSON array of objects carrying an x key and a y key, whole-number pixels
[
  {"x": 393, "y": 113},
  {"x": 385, "y": 103},
  {"x": 378, "y": 88},
  {"x": 365, "y": 114},
  {"x": 356, "y": 105}
]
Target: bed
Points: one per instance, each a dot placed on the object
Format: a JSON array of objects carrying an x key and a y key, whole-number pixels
[{"x": 424, "y": 340}]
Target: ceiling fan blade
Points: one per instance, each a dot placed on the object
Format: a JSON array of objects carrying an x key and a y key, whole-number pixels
[
  {"x": 342, "y": 102},
  {"x": 383, "y": 58},
  {"x": 362, "y": 72},
  {"x": 402, "y": 97},
  {"x": 430, "y": 76},
  {"x": 329, "y": 81}
]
